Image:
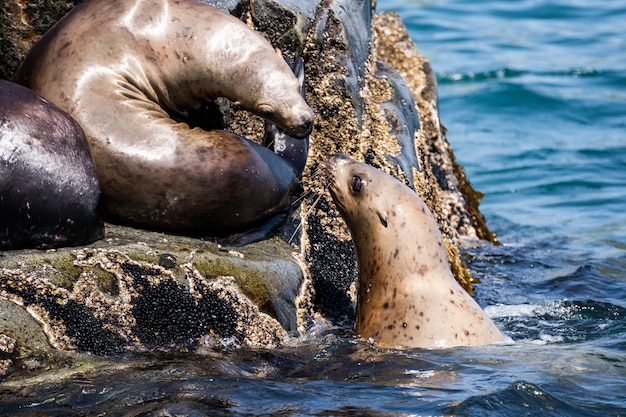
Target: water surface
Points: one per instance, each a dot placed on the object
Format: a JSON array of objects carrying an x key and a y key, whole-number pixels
[{"x": 533, "y": 94}]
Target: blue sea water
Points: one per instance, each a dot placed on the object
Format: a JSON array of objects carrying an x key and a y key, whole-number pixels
[{"x": 533, "y": 96}]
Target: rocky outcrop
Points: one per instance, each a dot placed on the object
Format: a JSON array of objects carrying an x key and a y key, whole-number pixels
[
  {"x": 375, "y": 98},
  {"x": 145, "y": 290}
]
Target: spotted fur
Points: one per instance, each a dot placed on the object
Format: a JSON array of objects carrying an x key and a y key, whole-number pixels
[{"x": 407, "y": 295}]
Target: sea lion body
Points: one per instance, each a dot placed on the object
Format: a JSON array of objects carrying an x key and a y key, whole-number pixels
[
  {"x": 130, "y": 72},
  {"x": 407, "y": 295},
  {"x": 48, "y": 183}
]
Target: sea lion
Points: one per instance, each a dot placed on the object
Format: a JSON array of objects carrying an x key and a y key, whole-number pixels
[
  {"x": 131, "y": 71},
  {"x": 295, "y": 151},
  {"x": 48, "y": 184},
  {"x": 407, "y": 295}
]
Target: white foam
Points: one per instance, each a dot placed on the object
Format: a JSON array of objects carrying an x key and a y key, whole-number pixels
[{"x": 517, "y": 310}]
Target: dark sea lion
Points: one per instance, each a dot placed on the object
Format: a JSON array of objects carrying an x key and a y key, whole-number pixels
[
  {"x": 407, "y": 295},
  {"x": 130, "y": 72},
  {"x": 48, "y": 183},
  {"x": 295, "y": 151}
]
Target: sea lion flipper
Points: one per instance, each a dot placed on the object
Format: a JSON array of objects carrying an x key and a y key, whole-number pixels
[
  {"x": 264, "y": 231},
  {"x": 295, "y": 151}
]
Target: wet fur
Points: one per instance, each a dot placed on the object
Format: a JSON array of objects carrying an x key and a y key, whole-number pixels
[
  {"x": 407, "y": 295},
  {"x": 131, "y": 72},
  {"x": 48, "y": 184}
]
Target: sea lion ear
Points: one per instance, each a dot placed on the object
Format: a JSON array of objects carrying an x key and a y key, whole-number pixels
[
  {"x": 298, "y": 70},
  {"x": 382, "y": 215},
  {"x": 278, "y": 52}
]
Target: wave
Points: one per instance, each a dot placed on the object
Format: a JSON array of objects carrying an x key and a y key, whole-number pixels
[
  {"x": 560, "y": 322},
  {"x": 523, "y": 398},
  {"x": 449, "y": 77}
]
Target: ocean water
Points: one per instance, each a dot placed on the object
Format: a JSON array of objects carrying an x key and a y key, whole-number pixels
[{"x": 533, "y": 94}]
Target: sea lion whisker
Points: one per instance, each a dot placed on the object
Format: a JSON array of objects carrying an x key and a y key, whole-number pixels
[
  {"x": 319, "y": 176},
  {"x": 310, "y": 195},
  {"x": 310, "y": 208},
  {"x": 295, "y": 232},
  {"x": 312, "y": 205},
  {"x": 299, "y": 199},
  {"x": 304, "y": 196}
]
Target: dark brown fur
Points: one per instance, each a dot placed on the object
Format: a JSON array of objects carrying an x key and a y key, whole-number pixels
[
  {"x": 48, "y": 183},
  {"x": 129, "y": 72}
]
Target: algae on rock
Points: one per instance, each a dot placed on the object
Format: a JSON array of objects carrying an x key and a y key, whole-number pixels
[{"x": 117, "y": 295}]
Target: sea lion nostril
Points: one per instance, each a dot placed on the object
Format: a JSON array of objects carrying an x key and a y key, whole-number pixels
[{"x": 302, "y": 130}]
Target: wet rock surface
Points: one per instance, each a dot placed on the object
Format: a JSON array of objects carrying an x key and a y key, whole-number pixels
[{"x": 375, "y": 99}]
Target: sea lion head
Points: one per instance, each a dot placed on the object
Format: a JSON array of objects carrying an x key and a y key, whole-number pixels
[
  {"x": 375, "y": 205},
  {"x": 359, "y": 192},
  {"x": 279, "y": 100},
  {"x": 266, "y": 85}
]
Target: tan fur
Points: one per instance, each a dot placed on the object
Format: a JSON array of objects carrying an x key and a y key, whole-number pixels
[
  {"x": 127, "y": 70},
  {"x": 407, "y": 296}
]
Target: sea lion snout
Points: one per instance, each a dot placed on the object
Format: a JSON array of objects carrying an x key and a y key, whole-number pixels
[
  {"x": 302, "y": 124},
  {"x": 331, "y": 168},
  {"x": 291, "y": 114},
  {"x": 335, "y": 172}
]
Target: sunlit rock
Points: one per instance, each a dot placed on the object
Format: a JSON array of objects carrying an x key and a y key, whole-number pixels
[{"x": 375, "y": 99}]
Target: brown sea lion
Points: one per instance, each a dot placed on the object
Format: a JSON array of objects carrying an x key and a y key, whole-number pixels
[
  {"x": 407, "y": 295},
  {"x": 48, "y": 183},
  {"x": 131, "y": 71}
]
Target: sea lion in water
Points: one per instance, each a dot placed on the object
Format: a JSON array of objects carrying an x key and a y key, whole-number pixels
[
  {"x": 131, "y": 71},
  {"x": 407, "y": 295},
  {"x": 48, "y": 183}
]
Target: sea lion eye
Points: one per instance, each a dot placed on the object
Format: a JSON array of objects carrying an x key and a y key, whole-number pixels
[
  {"x": 357, "y": 183},
  {"x": 264, "y": 110}
]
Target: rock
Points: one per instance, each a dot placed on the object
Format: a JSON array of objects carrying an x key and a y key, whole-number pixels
[
  {"x": 21, "y": 24},
  {"x": 375, "y": 98},
  {"x": 382, "y": 110},
  {"x": 115, "y": 294}
]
